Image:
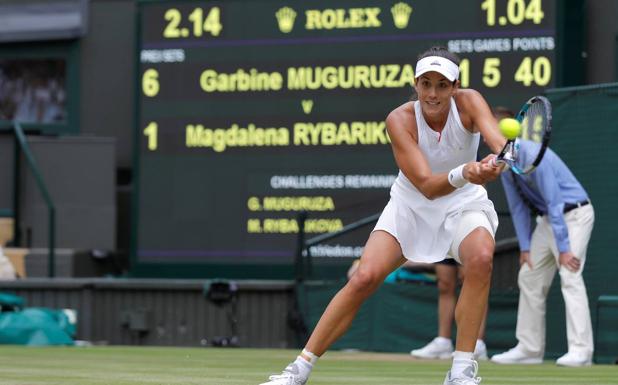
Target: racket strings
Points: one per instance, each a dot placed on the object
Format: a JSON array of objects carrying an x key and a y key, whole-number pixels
[
  {"x": 535, "y": 130},
  {"x": 534, "y": 122}
]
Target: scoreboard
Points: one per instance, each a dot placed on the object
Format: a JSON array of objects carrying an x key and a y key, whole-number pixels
[{"x": 250, "y": 112}]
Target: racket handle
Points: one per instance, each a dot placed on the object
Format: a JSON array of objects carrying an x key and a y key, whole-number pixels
[{"x": 495, "y": 161}]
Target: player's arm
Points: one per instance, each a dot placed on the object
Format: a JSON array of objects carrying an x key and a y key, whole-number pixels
[
  {"x": 412, "y": 162},
  {"x": 483, "y": 119}
]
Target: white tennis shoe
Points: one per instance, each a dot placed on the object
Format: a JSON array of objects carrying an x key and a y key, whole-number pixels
[
  {"x": 468, "y": 376},
  {"x": 439, "y": 348},
  {"x": 516, "y": 356},
  {"x": 574, "y": 359},
  {"x": 290, "y": 376}
]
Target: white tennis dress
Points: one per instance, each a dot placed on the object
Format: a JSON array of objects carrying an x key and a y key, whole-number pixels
[{"x": 424, "y": 228}]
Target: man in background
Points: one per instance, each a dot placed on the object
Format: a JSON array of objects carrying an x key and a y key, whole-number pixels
[{"x": 564, "y": 220}]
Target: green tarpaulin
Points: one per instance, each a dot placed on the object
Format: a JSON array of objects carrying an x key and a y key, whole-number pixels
[{"x": 33, "y": 326}]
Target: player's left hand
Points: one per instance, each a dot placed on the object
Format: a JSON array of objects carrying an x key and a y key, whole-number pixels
[{"x": 570, "y": 261}]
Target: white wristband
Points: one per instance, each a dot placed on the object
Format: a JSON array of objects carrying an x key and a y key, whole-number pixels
[{"x": 456, "y": 178}]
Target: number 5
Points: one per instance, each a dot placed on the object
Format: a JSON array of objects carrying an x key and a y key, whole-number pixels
[{"x": 491, "y": 72}]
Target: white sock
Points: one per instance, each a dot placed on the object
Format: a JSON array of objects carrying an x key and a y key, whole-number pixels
[
  {"x": 300, "y": 367},
  {"x": 461, "y": 361},
  {"x": 312, "y": 357},
  {"x": 459, "y": 355}
]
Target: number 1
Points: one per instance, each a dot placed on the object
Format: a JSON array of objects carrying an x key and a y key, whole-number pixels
[{"x": 151, "y": 132}]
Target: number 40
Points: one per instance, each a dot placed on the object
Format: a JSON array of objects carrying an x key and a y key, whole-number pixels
[{"x": 537, "y": 71}]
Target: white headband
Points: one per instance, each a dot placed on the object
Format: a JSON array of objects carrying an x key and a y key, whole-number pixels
[{"x": 438, "y": 64}]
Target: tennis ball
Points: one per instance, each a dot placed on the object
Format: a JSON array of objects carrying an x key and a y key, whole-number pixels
[{"x": 510, "y": 128}]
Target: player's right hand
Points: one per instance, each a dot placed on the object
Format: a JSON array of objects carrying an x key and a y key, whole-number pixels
[{"x": 480, "y": 172}]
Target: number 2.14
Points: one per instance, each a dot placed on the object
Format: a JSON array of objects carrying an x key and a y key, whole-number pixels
[{"x": 211, "y": 23}]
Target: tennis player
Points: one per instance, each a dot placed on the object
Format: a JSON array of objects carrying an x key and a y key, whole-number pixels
[{"x": 438, "y": 209}]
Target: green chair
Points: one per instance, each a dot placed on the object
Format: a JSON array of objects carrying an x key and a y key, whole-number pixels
[{"x": 606, "y": 336}]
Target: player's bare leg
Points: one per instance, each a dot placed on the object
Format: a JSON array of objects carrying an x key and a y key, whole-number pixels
[
  {"x": 476, "y": 253},
  {"x": 382, "y": 255},
  {"x": 480, "y": 351}
]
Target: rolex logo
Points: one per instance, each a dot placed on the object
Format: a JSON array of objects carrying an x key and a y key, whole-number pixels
[
  {"x": 401, "y": 14},
  {"x": 285, "y": 19}
]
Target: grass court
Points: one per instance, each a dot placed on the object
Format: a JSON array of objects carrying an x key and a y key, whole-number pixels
[{"x": 216, "y": 366}]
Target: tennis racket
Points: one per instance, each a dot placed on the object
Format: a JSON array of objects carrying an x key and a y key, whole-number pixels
[{"x": 524, "y": 153}]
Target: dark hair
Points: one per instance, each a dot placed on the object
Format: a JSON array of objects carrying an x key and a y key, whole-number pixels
[
  {"x": 437, "y": 50},
  {"x": 442, "y": 52}
]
